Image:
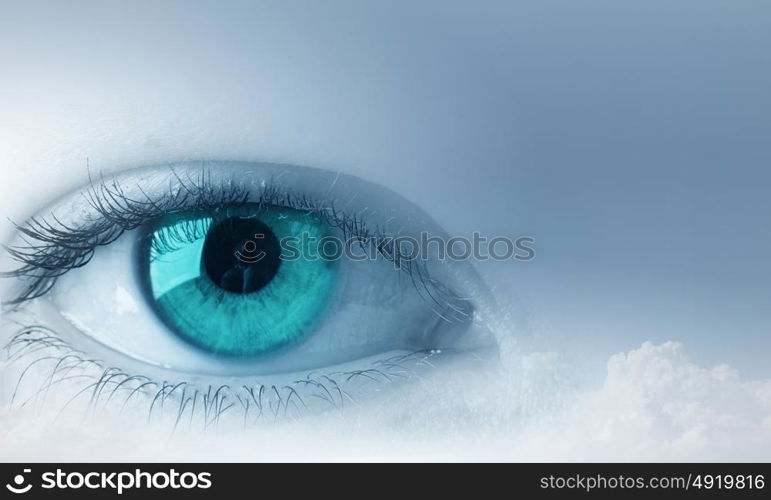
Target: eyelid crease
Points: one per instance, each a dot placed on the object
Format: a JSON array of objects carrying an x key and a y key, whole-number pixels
[
  {"x": 183, "y": 400},
  {"x": 52, "y": 249}
]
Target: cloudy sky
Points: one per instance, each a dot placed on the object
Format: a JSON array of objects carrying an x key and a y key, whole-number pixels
[{"x": 629, "y": 138}]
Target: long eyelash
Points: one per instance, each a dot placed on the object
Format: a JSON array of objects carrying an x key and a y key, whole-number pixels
[
  {"x": 183, "y": 402},
  {"x": 52, "y": 248},
  {"x": 176, "y": 236}
]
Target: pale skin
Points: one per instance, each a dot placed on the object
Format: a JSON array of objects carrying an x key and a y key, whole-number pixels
[
  {"x": 408, "y": 96},
  {"x": 216, "y": 107}
]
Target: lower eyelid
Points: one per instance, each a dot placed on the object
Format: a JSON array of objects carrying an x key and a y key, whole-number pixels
[
  {"x": 73, "y": 378},
  {"x": 49, "y": 372}
]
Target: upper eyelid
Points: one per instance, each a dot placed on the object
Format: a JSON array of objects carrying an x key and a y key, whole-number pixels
[{"x": 53, "y": 247}]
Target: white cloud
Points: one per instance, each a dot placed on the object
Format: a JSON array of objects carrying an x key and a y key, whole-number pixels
[{"x": 654, "y": 404}]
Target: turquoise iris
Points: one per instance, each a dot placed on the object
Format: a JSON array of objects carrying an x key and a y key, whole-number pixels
[{"x": 243, "y": 281}]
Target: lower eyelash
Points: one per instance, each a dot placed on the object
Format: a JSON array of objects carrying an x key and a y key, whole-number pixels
[
  {"x": 53, "y": 248},
  {"x": 187, "y": 403}
]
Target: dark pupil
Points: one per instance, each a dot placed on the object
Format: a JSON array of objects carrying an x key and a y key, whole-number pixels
[{"x": 241, "y": 255}]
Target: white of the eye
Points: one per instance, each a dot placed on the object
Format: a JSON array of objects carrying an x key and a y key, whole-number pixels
[
  {"x": 104, "y": 300},
  {"x": 374, "y": 311}
]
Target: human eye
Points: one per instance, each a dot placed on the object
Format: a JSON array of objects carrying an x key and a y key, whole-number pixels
[{"x": 229, "y": 288}]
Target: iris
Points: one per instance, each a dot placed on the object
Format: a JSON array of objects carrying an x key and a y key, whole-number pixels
[{"x": 242, "y": 281}]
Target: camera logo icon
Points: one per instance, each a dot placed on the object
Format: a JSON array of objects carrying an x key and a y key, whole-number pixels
[
  {"x": 18, "y": 482},
  {"x": 250, "y": 254}
]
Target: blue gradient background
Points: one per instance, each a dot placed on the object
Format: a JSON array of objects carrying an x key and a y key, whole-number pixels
[{"x": 631, "y": 139}]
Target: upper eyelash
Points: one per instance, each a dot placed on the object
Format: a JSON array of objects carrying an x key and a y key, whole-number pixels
[
  {"x": 188, "y": 230},
  {"x": 53, "y": 248}
]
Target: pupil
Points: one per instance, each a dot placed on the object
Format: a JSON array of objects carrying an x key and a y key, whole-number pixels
[{"x": 241, "y": 255}]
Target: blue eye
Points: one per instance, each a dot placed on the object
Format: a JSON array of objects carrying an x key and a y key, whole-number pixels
[
  {"x": 220, "y": 280},
  {"x": 214, "y": 280}
]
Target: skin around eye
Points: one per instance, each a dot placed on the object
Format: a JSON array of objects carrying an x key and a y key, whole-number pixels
[
  {"x": 153, "y": 292},
  {"x": 220, "y": 280}
]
